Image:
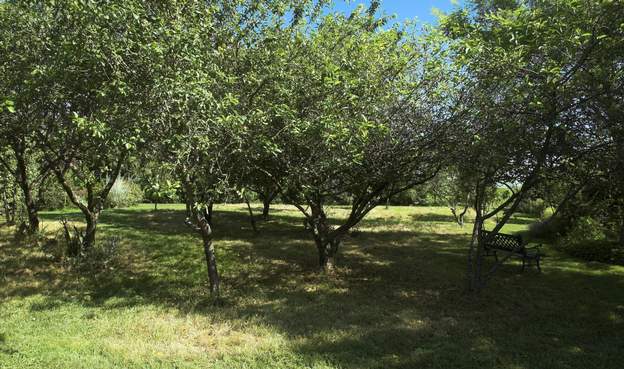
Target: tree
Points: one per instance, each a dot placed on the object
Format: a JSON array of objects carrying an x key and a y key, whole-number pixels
[
  {"x": 203, "y": 95},
  {"x": 355, "y": 119},
  {"x": 524, "y": 68},
  {"x": 453, "y": 191},
  {"x": 93, "y": 81},
  {"x": 23, "y": 106}
]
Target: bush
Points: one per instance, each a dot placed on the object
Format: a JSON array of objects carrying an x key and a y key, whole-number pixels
[
  {"x": 547, "y": 230},
  {"x": 586, "y": 239},
  {"x": 54, "y": 197},
  {"x": 535, "y": 207},
  {"x": 123, "y": 194}
]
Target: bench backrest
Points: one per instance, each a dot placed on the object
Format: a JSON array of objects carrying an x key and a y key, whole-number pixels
[{"x": 502, "y": 241}]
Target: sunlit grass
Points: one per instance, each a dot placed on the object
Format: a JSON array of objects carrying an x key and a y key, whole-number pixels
[{"x": 397, "y": 300}]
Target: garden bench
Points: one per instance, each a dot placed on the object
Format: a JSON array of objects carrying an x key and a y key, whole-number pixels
[{"x": 513, "y": 246}]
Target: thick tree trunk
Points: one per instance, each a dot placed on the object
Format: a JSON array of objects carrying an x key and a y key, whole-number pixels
[{"x": 622, "y": 235}]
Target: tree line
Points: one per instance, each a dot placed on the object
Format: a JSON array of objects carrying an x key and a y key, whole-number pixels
[{"x": 289, "y": 98}]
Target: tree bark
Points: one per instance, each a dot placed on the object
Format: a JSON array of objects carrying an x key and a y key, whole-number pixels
[
  {"x": 211, "y": 259},
  {"x": 462, "y": 216},
  {"x": 267, "y": 198},
  {"x": 25, "y": 186},
  {"x": 266, "y": 207},
  {"x": 622, "y": 235},
  {"x": 475, "y": 250},
  {"x": 89, "y": 238},
  {"x": 209, "y": 213},
  {"x": 474, "y": 255},
  {"x": 327, "y": 252},
  {"x": 201, "y": 221}
]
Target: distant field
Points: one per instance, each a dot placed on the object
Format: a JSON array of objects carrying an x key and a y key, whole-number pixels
[{"x": 397, "y": 300}]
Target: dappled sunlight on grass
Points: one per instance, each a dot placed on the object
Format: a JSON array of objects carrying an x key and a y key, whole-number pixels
[{"x": 396, "y": 301}]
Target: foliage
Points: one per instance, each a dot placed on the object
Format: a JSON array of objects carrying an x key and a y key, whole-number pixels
[
  {"x": 527, "y": 71},
  {"x": 535, "y": 207},
  {"x": 124, "y": 193},
  {"x": 354, "y": 119},
  {"x": 53, "y": 196},
  {"x": 587, "y": 240}
]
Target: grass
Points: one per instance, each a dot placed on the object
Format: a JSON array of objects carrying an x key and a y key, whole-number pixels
[{"x": 397, "y": 300}]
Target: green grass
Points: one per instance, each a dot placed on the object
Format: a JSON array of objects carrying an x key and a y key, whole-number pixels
[{"x": 397, "y": 300}]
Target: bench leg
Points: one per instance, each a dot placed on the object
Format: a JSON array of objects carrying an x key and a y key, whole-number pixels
[{"x": 523, "y": 264}]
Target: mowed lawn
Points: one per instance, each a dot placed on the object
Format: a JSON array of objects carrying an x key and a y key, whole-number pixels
[{"x": 397, "y": 300}]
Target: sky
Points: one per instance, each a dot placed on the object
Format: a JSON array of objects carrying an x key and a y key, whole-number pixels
[{"x": 403, "y": 9}]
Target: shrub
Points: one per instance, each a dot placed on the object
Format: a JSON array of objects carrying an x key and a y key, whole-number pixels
[
  {"x": 123, "y": 194},
  {"x": 547, "y": 230},
  {"x": 586, "y": 239},
  {"x": 534, "y": 207},
  {"x": 54, "y": 197}
]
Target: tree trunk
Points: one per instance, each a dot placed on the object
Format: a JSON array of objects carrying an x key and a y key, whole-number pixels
[
  {"x": 188, "y": 209},
  {"x": 211, "y": 259},
  {"x": 475, "y": 256},
  {"x": 462, "y": 216},
  {"x": 25, "y": 186},
  {"x": 622, "y": 235},
  {"x": 209, "y": 213},
  {"x": 475, "y": 251},
  {"x": 201, "y": 221},
  {"x": 252, "y": 220},
  {"x": 155, "y": 206},
  {"x": 454, "y": 212},
  {"x": 266, "y": 207},
  {"x": 91, "y": 218},
  {"x": 327, "y": 252}
]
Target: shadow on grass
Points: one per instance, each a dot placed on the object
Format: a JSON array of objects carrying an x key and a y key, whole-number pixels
[{"x": 396, "y": 302}]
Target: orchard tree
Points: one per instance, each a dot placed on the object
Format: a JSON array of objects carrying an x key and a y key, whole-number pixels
[
  {"x": 524, "y": 68},
  {"x": 22, "y": 105},
  {"x": 451, "y": 189},
  {"x": 95, "y": 81},
  {"x": 203, "y": 101},
  {"x": 355, "y": 119}
]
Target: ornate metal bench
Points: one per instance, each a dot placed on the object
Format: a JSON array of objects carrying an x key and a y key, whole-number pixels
[{"x": 512, "y": 245}]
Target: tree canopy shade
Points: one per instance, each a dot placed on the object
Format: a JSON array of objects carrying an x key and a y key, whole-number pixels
[{"x": 527, "y": 70}]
